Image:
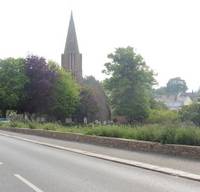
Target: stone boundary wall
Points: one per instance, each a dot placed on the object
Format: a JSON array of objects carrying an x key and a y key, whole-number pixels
[{"x": 127, "y": 144}]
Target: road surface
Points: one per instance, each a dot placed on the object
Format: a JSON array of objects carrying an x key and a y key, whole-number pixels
[{"x": 28, "y": 167}]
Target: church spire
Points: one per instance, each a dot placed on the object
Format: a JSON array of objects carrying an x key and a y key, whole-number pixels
[
  {"x": 71, "y": 45},
  {"x": 71, "y": 60}
]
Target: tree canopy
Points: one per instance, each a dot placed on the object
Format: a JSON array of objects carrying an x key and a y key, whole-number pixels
[
  {"x": 129, "y": 84},
  {"x": 87, "y": 106},
  {"x": 103, "y": 113},
  {"x": 12, "y": 82},
  {"x": 176, "y": 85},
  {"x": 37, "y": 91},
  {"x": 65, "y": 95},
  {"x": 34, "y": 86}
]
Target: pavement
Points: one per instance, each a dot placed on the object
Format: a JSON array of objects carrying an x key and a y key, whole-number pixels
[{"x": 26, "y": 166}]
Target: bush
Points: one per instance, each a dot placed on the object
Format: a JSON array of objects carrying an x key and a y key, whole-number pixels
[
  {"x": 188, "y": 136},
  {"x": 168, "y": 135},
  {"x": 175, "y": 133},
  {"x": 162, "y": 116},
  {"x": 191, "y": 113},
  {"x": 18, "y": 124}
]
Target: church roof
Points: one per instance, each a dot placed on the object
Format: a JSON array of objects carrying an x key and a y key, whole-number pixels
[{"x": 71, "y": 45}]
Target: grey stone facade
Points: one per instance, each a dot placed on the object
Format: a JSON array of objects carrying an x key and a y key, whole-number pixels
[{"x": 71, "y": 60}]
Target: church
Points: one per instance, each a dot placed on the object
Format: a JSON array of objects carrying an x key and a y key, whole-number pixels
[{"x": 71, "y": 60}]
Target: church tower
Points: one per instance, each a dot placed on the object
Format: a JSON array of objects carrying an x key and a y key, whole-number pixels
[{"x": 71, "y": 60}]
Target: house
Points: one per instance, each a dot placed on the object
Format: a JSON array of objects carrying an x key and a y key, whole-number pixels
[{"x": 175, "y": 102}]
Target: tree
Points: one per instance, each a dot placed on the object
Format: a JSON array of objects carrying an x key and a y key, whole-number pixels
[
  {"x": 103, "y": 113},
  {"x": 65, "y": 95},
  {"x": 160, "y": 91},
  {"x": 49, "y": 91},
  {"x": 176, "y": 85},
  {"x": 191, "y": 113},
  {"x": 129, "y": 84},
  {"x": 12, "y": 81},
  {"x": 39, "y": 87},
  {"x": 87, "y": 106}
]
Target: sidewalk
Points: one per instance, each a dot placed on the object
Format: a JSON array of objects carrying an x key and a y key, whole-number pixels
[{"x": 183, "y": 164}]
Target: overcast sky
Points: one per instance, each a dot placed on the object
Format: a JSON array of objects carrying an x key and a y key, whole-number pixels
[{"x": 165, "y": 32}]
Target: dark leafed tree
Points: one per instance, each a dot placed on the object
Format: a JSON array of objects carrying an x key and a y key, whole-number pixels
[
  {"x": 87, "y": 106},
  {"x": 129, "y": 84},
  {"x": 49, "y": 91},
  {"x": 103, "y": 113},
  {"x": 39, "y": 87}
]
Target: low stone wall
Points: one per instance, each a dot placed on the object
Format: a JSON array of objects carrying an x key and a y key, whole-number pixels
[{"x": 132, "y": 145}]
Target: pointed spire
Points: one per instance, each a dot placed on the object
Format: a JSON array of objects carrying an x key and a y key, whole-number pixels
[{"x": 71, "y": 45}]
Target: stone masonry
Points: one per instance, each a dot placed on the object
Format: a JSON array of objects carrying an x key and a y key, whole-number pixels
[{"x": 71, "y": 60}]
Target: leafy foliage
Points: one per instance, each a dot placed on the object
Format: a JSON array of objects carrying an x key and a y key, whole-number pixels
[
  {"x": 160, "y": 91},
  {"x": 34, "y": 86},
  {"x": 159, "y": 105},
  {"x": 191, "y": 113},
  {"x": 176, "y": 86},
  {"x": 103, "y": 113},
  {"x": 12, "y": 82},
  {"x": 163, "y": 133},
  {"x": 65, "y": 96},
  {"x": 87, "y": 106},
  {"x": 39, "y": 87},
  {"x": 162, "y": 116},
  {"x": 129, "y": 84}
]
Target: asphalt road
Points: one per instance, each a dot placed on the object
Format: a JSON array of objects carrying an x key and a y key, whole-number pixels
[{"x": 28, "y": 167}]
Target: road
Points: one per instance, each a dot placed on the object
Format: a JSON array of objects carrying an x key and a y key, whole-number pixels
[{"x": 28, "y": 167}]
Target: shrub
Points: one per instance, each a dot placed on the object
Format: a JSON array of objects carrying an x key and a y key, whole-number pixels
[
  {"x": 191, "y": 113},
  {"x": 51, "y": 126},
  {"x": 19, "y": 124},
  {"x": 168, "y": 135},
  {"x": 175, "y": 133},
  {"x": 162, "y": 116},
  {"x": 188, "y": 136}
]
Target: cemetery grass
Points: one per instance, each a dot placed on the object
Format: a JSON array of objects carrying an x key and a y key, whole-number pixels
[{"x": 176, "y": 133}]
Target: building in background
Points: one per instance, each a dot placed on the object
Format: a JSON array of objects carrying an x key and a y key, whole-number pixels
[
  {"x": 175, "y": 102},
  {"x": 71, "y": 59}
]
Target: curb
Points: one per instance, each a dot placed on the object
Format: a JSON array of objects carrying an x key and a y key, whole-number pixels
[
  {"x": 146, "y": 166},
  {"x": 118, "y": 143}
]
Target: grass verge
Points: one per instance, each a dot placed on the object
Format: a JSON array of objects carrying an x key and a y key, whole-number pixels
[{"x": 166, "y": 134}]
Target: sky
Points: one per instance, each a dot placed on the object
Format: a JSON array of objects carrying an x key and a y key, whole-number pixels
[{"x": 165, "y": 32}]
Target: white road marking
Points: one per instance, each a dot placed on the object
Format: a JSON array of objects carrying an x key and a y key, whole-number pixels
[
  {"x": 1, "y": 163},
  {"x": 165, "y": 170},
  {"x": 36, "y": 189}
]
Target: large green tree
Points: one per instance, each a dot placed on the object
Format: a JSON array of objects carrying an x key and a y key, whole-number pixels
[
  {"x": 65, "y": 95},
  {"x": 50, "y": 90},
  {"x": 129, "y": 84},
  {"x": 12, "y": 81},
  {"x": 176, "y": 85}
]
